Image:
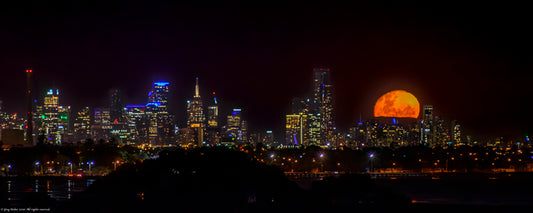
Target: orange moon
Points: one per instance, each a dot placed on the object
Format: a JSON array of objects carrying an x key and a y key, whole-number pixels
[{"x": 397, "y": 104}]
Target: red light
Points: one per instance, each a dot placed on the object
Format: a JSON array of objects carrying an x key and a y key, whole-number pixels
[
  {"x": 213, "y": 93},
  {"x": 29, "y": 71}
]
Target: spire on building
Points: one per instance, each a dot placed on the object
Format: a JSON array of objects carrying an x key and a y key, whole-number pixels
[{"x": 196, "y": 89}]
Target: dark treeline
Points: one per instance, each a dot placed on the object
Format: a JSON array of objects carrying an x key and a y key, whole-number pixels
[
  {"x": 223, "y": 180},
  {"x": 47, "y": 159}
]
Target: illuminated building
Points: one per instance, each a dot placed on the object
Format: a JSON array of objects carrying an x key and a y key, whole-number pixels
[
  {"x": 101, "y": 126},
  {"x": 158, "y": 97},
  {"x": 187, "y": 137},
  {"x": 441, "y": 132},
  {"x": 166, "y": 129},
  {"x": 235, "y": 126},
  {"x": 119, "y": 125},
  {"x": 82, "y": 124},
  {"x": 296, "y": 129},
  {"x": 322, "y": 104},
  {"x": 64, "y": 122},
  {"x": 196, "y": 116},
  {"x": 427, "y": 135},
  {"x": 269, "y": 138},
  {"x": 313, "y": 127},
  {"x": 456, "y": 133},
  {"x": 52, "y": 120},
  {"x": 161, "y": 125},
  {"x": 213, "y": 126},
  {"x": 212, "y": 113},
  {"x": 136, "y": 124},
  {"x": 116, "y": 110},
  {"x": 243, "y": 134}
]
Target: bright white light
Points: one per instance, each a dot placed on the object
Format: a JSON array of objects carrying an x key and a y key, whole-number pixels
[
  {"x": 371, "y": 155},
  {"x": 321, "y": 155}
]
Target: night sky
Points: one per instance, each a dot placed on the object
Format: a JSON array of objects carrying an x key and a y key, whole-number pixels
[{"x": 471, "y": 62}]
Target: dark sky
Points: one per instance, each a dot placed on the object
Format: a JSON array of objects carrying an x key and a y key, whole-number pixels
[{"x": 471, "y": 62}]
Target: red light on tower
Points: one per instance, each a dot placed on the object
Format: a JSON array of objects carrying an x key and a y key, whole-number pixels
[
  {"x": 213, "y": 93},
  {"x": 29, "y": 71}
]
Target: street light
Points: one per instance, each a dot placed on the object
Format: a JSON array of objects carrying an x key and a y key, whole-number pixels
[
  {"x": 37, "y": 164},
  {"x": 371, "y": 162},
  {"x": 70, "y": 163},
  {"x": 90, "y": 164}
]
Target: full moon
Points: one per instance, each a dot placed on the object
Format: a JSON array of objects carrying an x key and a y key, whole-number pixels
[{"x": 397, "y": 104}]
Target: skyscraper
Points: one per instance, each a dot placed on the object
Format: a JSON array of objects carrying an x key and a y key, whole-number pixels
[
  {"x": 322, "y": 104},
  {"x": 427, "y": 133},
  {"x": 137, "y": 125},
  {"x": 101, "y": 126},
  {"x": 456, "y": 133},
  {"x": 116, "y": 108},
  {"x": 158, "y": 97},
  {"x": 296, "y": 129},
  {"x": 82, "y": 124},
  {"x": 236, "y": 126},
  {"x": 52, "y": 118},
  {"x": 196, "y": 116},
  {"x": 213, "y": 124},
  {"x": 160, "y": 121}
]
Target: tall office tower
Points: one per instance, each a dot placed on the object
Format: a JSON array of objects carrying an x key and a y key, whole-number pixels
[
  {"x": 196, "y": 116},
  {"x": 29, "y": 102},
  {"x": 160, "y": 122},
  {"x": 213, "y": 126},
  {"x": 322, "y": 104},
  {"x": 296, "y": 129},
  {"x": 116, "y": 109},
  {"x": 243, "y": 137},
  {"x": 427, "y": 135},
  {"x": 64, "y": 122},
  {"x": 358, "y": 135},
  {"x": 101, "y": 125},
  {"x": 137, "y": 128},
  {"x": 233, "y": 125},
  {"x": 158, "y": 97},
  {"x": 456, "y": 133},
  {"x": 52, "y": 120},
  {"x": 119, "y": 126},
  {"x": 313, "y": 126},
  {"x": 82, "y": 124},
  {"x": 269, "y": 138},
  {"x": 441, "y": 131},
  {"x": 212, "y": 113},
  {"x": 166, "y": 128}
]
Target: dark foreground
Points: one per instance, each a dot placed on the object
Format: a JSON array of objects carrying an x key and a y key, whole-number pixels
[{"x": 220, "y": 180}]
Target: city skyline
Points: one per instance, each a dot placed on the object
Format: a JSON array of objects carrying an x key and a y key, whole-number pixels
[
  {"x": 309, "y": 122},
  {"x": 473, "y": 75}
]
